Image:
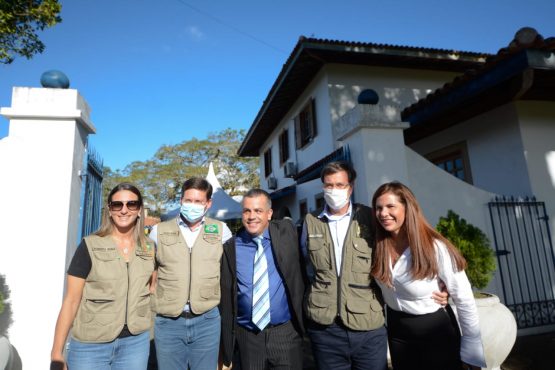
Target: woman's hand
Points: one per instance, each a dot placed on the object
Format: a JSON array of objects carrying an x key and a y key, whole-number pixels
[
  {"x": 153, "y": 282},
  {"x": 70, "y": 305},
  {"x": 58, "y": 364}
]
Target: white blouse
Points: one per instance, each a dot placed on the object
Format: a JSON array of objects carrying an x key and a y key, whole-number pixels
[{"x": 415, "y": 297}]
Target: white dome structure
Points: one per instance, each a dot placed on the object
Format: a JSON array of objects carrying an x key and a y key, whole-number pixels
[{"x": 223, "y": 207}]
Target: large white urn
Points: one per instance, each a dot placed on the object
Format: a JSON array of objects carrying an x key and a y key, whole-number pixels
[{"x": 498, "y": 328}]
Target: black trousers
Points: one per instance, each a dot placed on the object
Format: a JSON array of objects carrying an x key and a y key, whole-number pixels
[
  {"x": 424, "y": 342},
  {"x": 279, "y": 347},
  {"x": 336, "y": 347}
]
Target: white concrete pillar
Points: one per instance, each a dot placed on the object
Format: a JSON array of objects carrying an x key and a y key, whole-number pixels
[
  {"x": 374, "y": 134},
  {"x": 40, "y": 189}
]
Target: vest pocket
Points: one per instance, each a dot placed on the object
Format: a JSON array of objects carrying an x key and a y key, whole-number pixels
[
  {"x": 212, "y": 238},
  {"x": 143, "y": 319},
  {"x": 361, "y": 245},
  {"x": 361, "y": 263},
  {"x": 358, "y": 306},
  {"x": 376, "y": 306},
  {"x": 318, "y": 301},
  {"x": 108, "y": 266},
  {"x": 97, "y": 319},
  {"x": 364, "y": 314},
  {"x": 319, "y": 256},
  {"x": 210, "y": 286},
  {"x": 98, "y": 309},
  {"x": 143, "y": 305},
  {"x": 167, "y": 288},
  {"x": 99, "y": 292},
  {"x": 168, "y": 238},
  {"x": 209, "y": 291}
]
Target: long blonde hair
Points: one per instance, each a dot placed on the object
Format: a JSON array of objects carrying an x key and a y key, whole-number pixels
[
  {"x": 107, "y": 224},
  {"x": 421, "y": 239}
]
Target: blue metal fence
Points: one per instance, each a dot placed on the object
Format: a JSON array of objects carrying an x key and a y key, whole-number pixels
[{"x": 91, "y": 194}]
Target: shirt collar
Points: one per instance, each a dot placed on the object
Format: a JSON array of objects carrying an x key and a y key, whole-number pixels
[
  {"x": 248, "y": 237},
  {"x": 181, "y": 222},
  {"x": 329, "y": 216}
]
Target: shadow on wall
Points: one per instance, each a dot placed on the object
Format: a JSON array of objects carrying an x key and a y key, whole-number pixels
[
  {"x": 9, "y": 358},
  {"x": 5, "y": 307}
]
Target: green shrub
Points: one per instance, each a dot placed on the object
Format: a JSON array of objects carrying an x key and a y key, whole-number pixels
[{"x": 474, "y": 246}]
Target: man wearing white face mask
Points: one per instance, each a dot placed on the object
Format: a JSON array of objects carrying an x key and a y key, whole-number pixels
[
  {"x": 345, "y": 319},
  {"x": 188, "y": 254}
]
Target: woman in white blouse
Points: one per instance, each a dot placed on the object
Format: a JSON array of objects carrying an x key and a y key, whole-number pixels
[{"x": 410, "y": 262}]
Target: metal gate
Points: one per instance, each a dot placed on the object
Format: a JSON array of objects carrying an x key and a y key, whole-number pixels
[
  {"x": 91, "y": 194},
  {"x": 526, "y": 259}
]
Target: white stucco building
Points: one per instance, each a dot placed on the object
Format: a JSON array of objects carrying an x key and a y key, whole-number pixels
[{"x": 458, "y": 128}]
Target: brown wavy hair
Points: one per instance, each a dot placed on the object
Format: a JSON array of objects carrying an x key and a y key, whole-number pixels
[
  {"x": 420, "y": 235},
  {"x": 107, "y": 224}
]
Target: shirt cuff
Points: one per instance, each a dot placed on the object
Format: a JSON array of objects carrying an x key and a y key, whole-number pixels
[{"x": 472, "y": 351}]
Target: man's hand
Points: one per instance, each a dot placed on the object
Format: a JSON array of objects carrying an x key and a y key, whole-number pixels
[
  {"x": 227, "y": 367},
  {"x": 442, "y": 297}
]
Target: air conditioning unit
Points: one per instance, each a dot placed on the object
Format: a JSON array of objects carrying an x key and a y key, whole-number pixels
[
  {"x": 290, "y": 169},
  {"x": 272, "y": 183}
]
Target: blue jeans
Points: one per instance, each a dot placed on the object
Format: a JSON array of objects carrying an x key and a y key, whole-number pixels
[
  {"x": 120, "y": 354},
  {"x": 192, "y": 342}
]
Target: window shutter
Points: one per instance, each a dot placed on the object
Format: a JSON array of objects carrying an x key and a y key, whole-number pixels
[
  {"x": 298, "y": 137},
  {"x": 313, "y": 119}
]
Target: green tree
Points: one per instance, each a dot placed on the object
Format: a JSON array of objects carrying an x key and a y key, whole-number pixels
[
  {"x": 20, "y": 20},
  {"x": 474, "y": 246},
  {"x": 160, "y": 178}
]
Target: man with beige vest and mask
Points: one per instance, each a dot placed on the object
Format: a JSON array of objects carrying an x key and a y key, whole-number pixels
[{"x": 189, "y": 251}]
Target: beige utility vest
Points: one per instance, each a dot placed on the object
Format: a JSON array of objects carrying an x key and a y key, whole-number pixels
[
  {"x": 115, "y": 293},
  {"x": 351, "y": 295},
  {"x": 188, "y": 274}
]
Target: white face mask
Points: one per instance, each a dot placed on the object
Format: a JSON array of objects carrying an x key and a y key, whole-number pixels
[
  {"x": 336, "y": 198},
  {"x": 192, "y": 212}
]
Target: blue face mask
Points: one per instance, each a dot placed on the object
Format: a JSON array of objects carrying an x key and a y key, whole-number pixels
[{"x": 192, "y": 212}]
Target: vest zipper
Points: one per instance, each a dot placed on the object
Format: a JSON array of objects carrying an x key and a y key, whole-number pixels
[
  {"x": 190, "y": 277},
  {"x": 332, "y": 250},
  {"x": 127, "y": 296}
]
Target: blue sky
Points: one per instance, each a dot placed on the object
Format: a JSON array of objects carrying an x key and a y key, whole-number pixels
[{"x": 162, "y": 71}]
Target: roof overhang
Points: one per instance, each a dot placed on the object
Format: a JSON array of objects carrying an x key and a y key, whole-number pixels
[
  {"x": 526, "y": 75},
  {"x": 310, "y": 55}
]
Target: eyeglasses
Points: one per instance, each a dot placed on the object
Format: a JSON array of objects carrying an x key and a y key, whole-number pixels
[{"x": 132, "y": 205}]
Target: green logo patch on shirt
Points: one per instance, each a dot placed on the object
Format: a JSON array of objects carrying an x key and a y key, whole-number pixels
[{"x": 211, "y": 229}]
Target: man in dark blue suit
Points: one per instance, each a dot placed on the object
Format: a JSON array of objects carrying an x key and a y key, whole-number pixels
[{"x": 261, "y": 307}]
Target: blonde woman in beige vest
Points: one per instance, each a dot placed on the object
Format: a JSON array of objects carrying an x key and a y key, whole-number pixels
[{"x": 107, "y": 303}]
